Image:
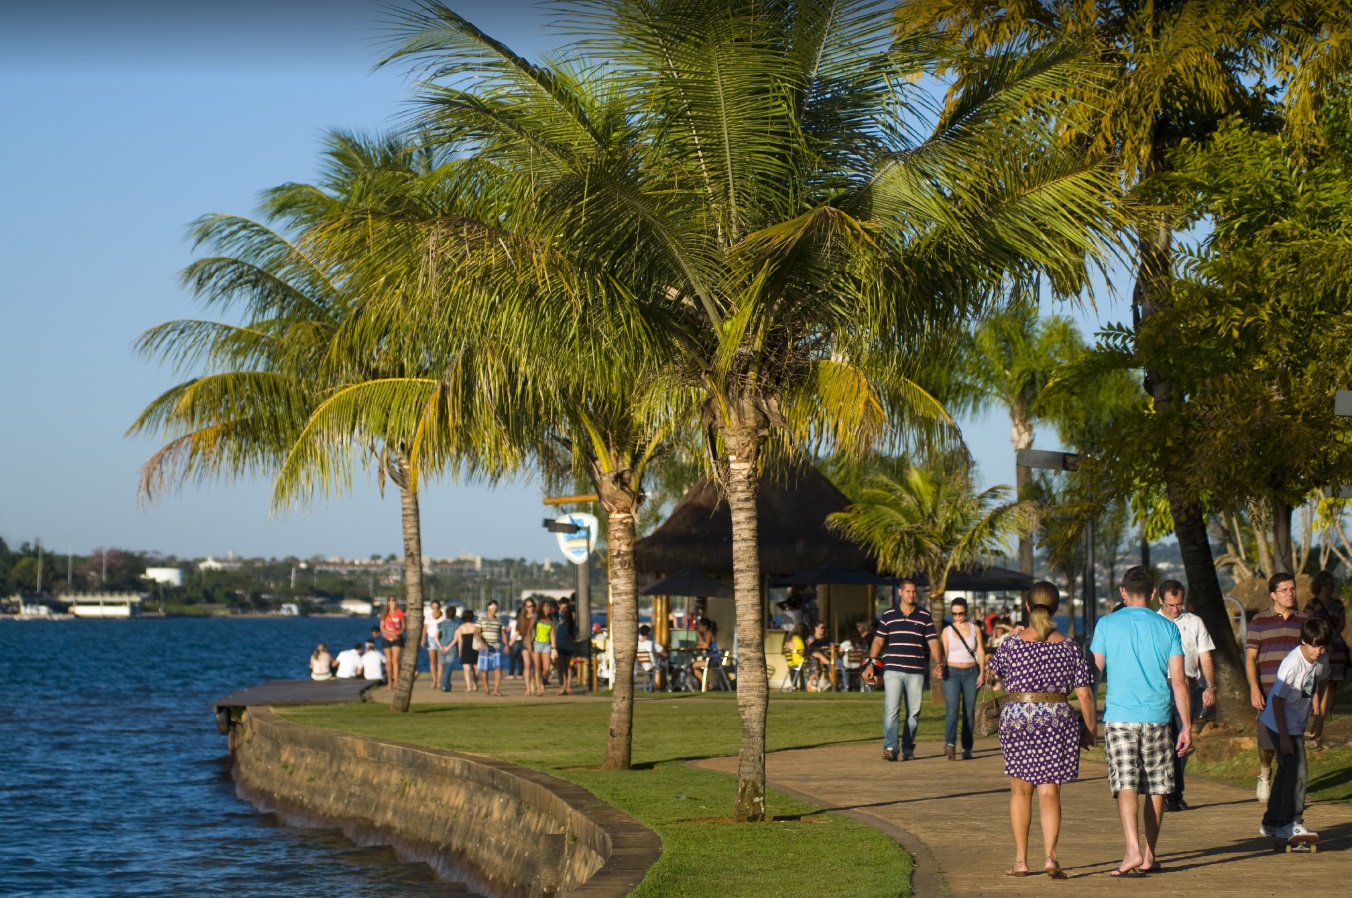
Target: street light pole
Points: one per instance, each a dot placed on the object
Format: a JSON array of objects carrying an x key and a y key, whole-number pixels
[{"x": 1069, "y": 461}]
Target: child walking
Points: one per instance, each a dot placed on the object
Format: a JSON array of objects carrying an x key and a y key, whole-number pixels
[{"x": 1297, "y": 690}]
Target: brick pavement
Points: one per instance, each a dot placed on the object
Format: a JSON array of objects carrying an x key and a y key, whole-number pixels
[{"x": 959, "y": 811}]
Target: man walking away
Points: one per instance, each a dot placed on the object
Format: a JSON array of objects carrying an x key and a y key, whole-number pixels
[
  {"x": 1144, "y": 653},
  {"x": 1197, "y": 668},
  {"x": 903, "y": 634},
  {"x": 447, "y": 648},
  {"x": 1272, "y": 636}
]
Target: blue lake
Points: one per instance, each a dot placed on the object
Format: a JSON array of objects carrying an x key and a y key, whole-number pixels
[{"x": 114, "y": 781}]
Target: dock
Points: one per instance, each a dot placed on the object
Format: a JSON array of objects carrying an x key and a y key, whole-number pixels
[{"x": 289, "y": 692}]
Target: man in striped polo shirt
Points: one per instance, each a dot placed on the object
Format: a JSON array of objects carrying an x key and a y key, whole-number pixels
[
  {"x": 903, "y": 634},
  {"x": 1272, "y": 636}
]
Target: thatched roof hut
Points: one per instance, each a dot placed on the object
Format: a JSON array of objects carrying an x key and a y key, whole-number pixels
[{"x": 793, "y": 535}]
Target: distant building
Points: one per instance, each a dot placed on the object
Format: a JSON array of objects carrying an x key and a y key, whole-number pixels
[
  {"x": 169, "y": 576},
  {"x": 211, "y": 564},
  {"x": 357, "y": 607}
]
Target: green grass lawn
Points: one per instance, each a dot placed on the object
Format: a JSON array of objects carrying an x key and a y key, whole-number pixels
[{"x": 804, "y": 851}]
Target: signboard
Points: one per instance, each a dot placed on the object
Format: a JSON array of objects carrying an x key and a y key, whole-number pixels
[{"x": 577, "y": 546}]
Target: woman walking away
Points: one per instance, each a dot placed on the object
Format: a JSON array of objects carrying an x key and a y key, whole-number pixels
[
  {"x": 429, "y": 639},
  {"x": 963, "y": 652},
  {"x": 321, "y": 664},
  {"x": 1040, "y": 736},
  {"x": 392, "y": 632},
  {"x": 543, "y": 637},
  {"x": 563, "y": 637},
  {"x": 465, "y": 635},
  {"x": 525, "y": 635}
]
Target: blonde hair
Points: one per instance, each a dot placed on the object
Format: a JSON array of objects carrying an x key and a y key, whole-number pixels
[{"x": 1043, "y": 600}]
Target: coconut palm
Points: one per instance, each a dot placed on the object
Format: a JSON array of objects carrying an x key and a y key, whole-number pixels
[
  {"x": 1008, "y": 361},
  {"x": 930, "y": 518},
  {"x": 739, "y": 188}
]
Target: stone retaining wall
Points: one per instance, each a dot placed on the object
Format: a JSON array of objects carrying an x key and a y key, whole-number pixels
[{"x": 502, "y": 829}]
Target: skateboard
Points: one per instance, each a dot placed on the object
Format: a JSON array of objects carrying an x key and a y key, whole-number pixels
[{"x": 1307, "y": 844}]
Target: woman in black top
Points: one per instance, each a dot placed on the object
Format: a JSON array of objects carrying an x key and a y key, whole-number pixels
[
  {"x": 469, "y": 655},
  {"x": 563, "y": 635}
]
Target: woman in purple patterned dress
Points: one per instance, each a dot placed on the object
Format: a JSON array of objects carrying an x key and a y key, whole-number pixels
[{"x": 1040, "y": 735}]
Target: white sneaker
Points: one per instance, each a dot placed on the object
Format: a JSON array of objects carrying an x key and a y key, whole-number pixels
[
  {"x": 1298, "y": 829},
  {"x": 1264, "y": 831},
  {"x": 1264, "y": 788}
]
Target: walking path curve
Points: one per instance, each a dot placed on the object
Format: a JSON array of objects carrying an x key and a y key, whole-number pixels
[{"x": 959, "y": 811}]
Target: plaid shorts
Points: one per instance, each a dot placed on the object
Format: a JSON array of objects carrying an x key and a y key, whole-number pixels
[{"x": 1140, "y": 752}]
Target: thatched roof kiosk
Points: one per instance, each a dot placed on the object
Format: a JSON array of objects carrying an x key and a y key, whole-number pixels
[{"x": 793, "y": 507}]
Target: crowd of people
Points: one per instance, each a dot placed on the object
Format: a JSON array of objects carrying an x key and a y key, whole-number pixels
[
  {"x": 1160, "y": 676},
  {"x": 1157, "y": 665}
]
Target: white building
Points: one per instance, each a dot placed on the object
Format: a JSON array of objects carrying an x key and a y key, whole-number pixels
[{"x": 169, "y": 576}]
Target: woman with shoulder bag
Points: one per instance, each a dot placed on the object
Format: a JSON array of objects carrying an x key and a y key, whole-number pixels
[
  {"x": 964, "y": 657},
  {"x": 1040, "y": 734}
]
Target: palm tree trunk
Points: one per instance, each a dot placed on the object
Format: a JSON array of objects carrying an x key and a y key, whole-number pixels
[
  {"x": 1151, "y": 291},
  {"x": 620, "y": 537},
  {"x": 1021, "y": 431},
  {"x": 1282, "y": 554},
  {"x": 743, "y": 445},
  {"x": 413, "y": 572}
]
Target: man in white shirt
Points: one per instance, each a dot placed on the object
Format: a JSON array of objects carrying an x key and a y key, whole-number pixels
[
  {"x": 656, "y": 652},
  {"x": 1197, "y": 667},
  {"x": 349, "y": 663},
  {"x": 373, "y": 663}
]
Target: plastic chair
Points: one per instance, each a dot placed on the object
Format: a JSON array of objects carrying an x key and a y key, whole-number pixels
[
  {"x": 644, "y": 664},
  {"x": 713, "y": 669},
  {"x": 852, "y": 671}
]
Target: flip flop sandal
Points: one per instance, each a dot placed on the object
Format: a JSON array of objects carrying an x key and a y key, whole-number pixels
[
  {"x": 1056, "y": 873},
  {"x": 1016, "y": 872},
  {"x": 1157, "y": 868},
  {"x": 1129, "y": 873}
]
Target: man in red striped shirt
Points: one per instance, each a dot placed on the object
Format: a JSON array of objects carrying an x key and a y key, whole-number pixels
[{"x": 1272, "y": 636}]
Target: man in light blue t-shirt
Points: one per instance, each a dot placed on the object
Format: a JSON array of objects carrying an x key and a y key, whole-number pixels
[{"x": 1144, "y": 654}]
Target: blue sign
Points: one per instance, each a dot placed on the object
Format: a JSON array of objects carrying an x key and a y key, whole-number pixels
[{"x": 577, "y": 546}]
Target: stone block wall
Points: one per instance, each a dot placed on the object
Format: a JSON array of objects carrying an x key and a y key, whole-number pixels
[{"x": 502, "y": 829}]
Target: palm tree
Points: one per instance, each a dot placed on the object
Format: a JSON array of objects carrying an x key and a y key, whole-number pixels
[
  {"x": 1009, "y": 360},
  {"x": 742, "y": 179},
  {"x": 931, "y": 518}
]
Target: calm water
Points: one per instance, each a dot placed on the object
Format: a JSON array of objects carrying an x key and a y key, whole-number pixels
[{"x": 114, "y": 781}]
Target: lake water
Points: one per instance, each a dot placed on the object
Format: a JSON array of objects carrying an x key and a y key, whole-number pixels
[{"x": 114, "y": 781}]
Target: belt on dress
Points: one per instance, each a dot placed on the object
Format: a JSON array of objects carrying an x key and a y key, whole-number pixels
[{"x": 1047, "y": 698}]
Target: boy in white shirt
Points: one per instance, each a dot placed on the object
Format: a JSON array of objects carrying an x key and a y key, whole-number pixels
[
  {"x": 1296, "y": 690},
  {"x": 373, "y": 663}
]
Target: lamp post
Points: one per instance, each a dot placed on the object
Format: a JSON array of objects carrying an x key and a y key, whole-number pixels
[
  {"x": 1342, "y": 408},
  {"x": 583, "y": 573},
  {"x": 1069, "y": 461}
]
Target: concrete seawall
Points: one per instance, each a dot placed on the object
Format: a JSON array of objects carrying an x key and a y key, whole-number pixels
[{"x": 502, "y": 829}]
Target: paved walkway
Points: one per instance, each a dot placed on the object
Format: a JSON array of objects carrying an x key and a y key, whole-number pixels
[{"x": 958, "y": 810}]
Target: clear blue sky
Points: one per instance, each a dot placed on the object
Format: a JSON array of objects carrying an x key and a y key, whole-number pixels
[{"x": 123, "y": 123}]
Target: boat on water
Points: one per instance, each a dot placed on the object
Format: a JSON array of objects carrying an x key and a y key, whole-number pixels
[
  {"x": 106, "y": 604},
  {"x": 117, "y": 605}
]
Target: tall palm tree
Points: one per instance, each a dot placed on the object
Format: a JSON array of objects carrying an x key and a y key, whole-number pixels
[
  {"x": 744, "y": 180},
  {"x": 1009, "y": 360}
]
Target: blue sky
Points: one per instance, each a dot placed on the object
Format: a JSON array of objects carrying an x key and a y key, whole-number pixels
[{"x": 123, "y": 123}]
